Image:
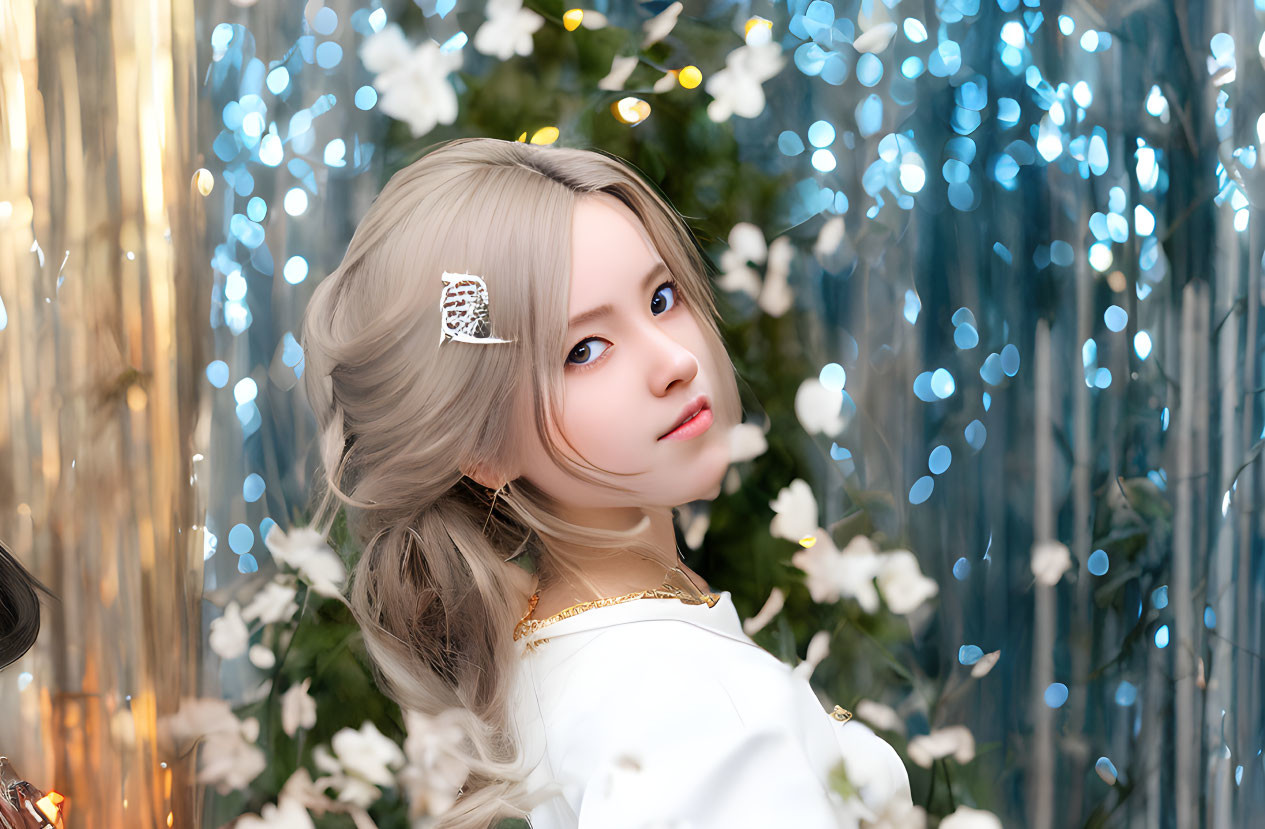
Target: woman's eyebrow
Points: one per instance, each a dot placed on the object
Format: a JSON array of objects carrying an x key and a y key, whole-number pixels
[{"x": 602, "y": 310}]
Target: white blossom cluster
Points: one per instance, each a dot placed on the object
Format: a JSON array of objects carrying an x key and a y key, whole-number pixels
[{"x": 358, "y": 764}]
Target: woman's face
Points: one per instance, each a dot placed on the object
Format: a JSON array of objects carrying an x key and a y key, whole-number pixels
[{"x": 628, "y": 374}]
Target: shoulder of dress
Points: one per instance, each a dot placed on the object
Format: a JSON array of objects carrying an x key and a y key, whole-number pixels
[
  {"x": 631, "y": 642},
  {"x": 645, "y": 667}
]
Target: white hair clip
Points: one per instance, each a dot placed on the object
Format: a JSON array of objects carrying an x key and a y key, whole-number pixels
[{"x": 463, "y": 310}]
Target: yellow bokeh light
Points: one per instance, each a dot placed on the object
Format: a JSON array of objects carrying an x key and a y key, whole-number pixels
[
  {"x": 204, "y": 181},
  {"x": 136, "y": 398},
  {"x": 571, "y": 19},
  {"x": 545, "y": 135},
  {"x": 689, "y": 77},
  {"x": 754, "y": 22},
  {"x": 630, "y": 110}
]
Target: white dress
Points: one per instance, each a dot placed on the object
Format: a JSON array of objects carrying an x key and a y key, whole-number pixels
[{"x": 662, "y": 712}]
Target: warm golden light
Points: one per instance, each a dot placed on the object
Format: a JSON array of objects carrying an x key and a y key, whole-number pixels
[
  {"x": 136, "y": 398},
  {"x": 50, "y": 805},
  {"x": 204, "y": 181},
  {"x": 545, "y": 135},
  {"x": 689, "y": 76},
  {"x": 630, "y": 110},
  {"x": 103, "y": 180}
]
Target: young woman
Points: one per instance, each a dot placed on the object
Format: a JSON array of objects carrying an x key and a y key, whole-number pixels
[
  {"x": 19, "y": 625},
  {"x": 500, "y": 368}
]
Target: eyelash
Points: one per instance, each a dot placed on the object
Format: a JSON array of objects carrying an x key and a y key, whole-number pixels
[{"x": 671, "y": 283}]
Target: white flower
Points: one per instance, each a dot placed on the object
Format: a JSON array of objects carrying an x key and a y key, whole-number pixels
[
  {"x": 285, "y": 814},
  {"x": 902, "y": 583},
  {"x": 593, "y": 19},
  {"x": 746, "y": 242},
  {"x": 746, "y": 245},
  {"x": 298, "y": 709},
  {"x": 818, "y": 649},
  {"x": 412, "y": 84},
  {"x": 900, "y": 814},
  {"x": 876, "y": 38},
  {"x": 796, "y": 512},
  {"x": 737, "y": 88},
  {"x": 829, "y": 237},
  {"x": 361, "y": 761},
  {"x": 775, "y": 296},
  {"x": 198, "y": 717},
  {"x": 434, "y": 772},
  {"x": 621, "y": 67},
  {"x": 696, "y": 529},
  {"x": 231, "y": 760},
  {"x": 302, "y": 789},
  {"x": 831, "y": 574},
  {"x": 304, "y": 549},
  {"x": 386, "y": 50},
  {"x": 273, "y": 603},
  {"x": 262, "y": 657},
  {"x": 659, "y": 26},
  {"x": 964, "y": 817},
  {"x": 956, "y": 740},
  {"x": 507, "y": 30},
  {"x": 368, "y": 753},
  {"x": 772, "y": 606},
  {"x": 819, "y": 409},
  {"x": 229, "y": 634},
  {"x": 746, "y": 442},
  {"x": 880, "y": 716},
  {"x": 355, "y": 791},
  {"x": 665, "y": 84},
  {"x": 1050, "y": 560},
  {"x": 740, "y": 278},
  {"x": 985, "y": 663}
]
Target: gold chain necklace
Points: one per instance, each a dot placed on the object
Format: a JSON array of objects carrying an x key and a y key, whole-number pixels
[{"x": 528, "y": 625}]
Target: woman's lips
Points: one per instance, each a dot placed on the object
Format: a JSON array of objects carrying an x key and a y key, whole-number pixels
[{"x": 693, "y": 427}]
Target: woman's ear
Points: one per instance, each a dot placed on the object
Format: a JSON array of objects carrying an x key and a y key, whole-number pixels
[{"x": 487, "y": 477}]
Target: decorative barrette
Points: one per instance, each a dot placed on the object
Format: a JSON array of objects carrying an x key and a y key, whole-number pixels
[{"x": 463, "y": 310}]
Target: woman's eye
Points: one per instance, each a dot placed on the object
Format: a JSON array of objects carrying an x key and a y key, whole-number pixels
[
  {"x": 671, "y": 285},
  {"x": 583, "y": 351}
]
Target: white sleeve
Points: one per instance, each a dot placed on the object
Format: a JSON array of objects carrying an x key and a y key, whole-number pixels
[
  {"x": 876, "y": 770},
  {"x": 679, "y": 755}
]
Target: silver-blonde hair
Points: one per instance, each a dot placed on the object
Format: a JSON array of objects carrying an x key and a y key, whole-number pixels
[{"x": 400, "y": 417}]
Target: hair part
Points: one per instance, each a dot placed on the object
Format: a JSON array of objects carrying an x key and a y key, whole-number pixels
[{"x": 400, "y": 416}]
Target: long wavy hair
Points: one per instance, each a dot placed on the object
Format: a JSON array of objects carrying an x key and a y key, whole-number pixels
[
  {"x": 19, "y": 608},
  {"x": 400, "y": 417}
]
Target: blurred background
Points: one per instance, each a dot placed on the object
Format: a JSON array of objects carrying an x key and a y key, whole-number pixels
[{"x": 990, "y": 271}]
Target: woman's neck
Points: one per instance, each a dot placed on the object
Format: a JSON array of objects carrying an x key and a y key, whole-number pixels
[{"x": 615, "y": 574}]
